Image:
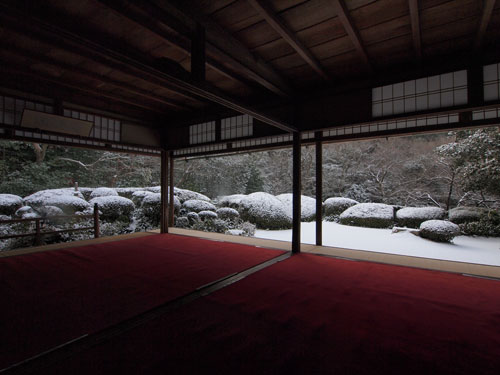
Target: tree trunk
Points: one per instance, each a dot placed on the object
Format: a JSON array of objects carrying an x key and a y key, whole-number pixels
[{"x": 40, "y": 151}]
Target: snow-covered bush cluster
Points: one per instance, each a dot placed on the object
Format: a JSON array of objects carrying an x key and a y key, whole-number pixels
[
  {"x": 371, "y": 215},
  {"x": 439, "y": 230},
  {"x": 414, "y": 216},
  {"x": 333, "y": 207}
]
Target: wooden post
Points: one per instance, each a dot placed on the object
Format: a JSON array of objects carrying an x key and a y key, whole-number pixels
[
  {"x": 96, "y": 221},
  {"x": 319, "y": 189},
  {"x": 164, "y": 192},
  {"x": 296, "y": 193},
  {"x": 171, "y": 197}
]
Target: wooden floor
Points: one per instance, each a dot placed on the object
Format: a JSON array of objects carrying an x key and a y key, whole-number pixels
[{"x": 400, "y": 260}]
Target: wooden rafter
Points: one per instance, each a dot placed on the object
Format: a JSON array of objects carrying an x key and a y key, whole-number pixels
[
  {"x": 279, "y": 26},
  {"x": 346, "y": 20},
  {"x": 488, "y": 6},
  {"x": 415, "y": 27},
  {"x": 129, "y": 62}
]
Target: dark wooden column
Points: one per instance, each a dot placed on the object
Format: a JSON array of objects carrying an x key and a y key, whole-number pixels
[
  {"x": 164, "y": 192},
  {"x": 319, "y": 189},
  {"x": 171, "y": 191},
  {"x": 296, "y": 193}
]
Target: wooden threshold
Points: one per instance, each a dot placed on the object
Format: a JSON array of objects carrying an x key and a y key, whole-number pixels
[
  {"x": 67, "y": 245},
  {"x": 469, "y": 269}
]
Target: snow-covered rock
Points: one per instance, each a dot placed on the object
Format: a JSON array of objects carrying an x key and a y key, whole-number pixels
[
  {"x": 265, "y": 210},
  {"x": 10, "y": 203},
  {"x": 114, "y": 207},
  {"x": 228, "y": 213},
  {"x": 68, "y": 200},
  {"x": 128, "y": 191},
  {"x": 439, "y": 230},
  {"x": 204, "y": 215},
  {"x": 23, "y": 211},
  {"x": 196, "y": 205},
  {"x": 462, "y": 215},
  {"x": 414, "y": 216},
  {"x": 335, "y": 206},
  {"x": 232, "y": 201},
  {"x": 235, "y": 232},
  {"x": 5, "y": 217},
  {"x": 307, "y": 206},
  {"x": 371, "y": 215},
  {"x": 103, "y": 192}
]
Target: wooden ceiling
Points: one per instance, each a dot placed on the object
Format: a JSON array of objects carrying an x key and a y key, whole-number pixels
[{"x": 121, "y": 55}]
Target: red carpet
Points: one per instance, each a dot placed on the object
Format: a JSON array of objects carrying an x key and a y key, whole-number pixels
[
  {"x": 52, "y": 297},
  {"x": 317, "y": 315}
]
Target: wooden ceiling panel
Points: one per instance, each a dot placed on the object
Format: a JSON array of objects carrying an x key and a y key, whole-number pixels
[
  {"x": 322, "y": 32},
  {"x": 288, "y": 61},
  {"x": 449, "y": 12},
  {"x": 449, "y": 46},
  {"x": 307, "y": 14},
  {"x": 210, "y": 6},
  {"x": 236, "y": 16},
  {"x": 274, "y": 49},
  {"x": 333, "y": 48},
  {"x": 385, "y": 31},
  {"x": 391, "y": 52},
  {"x": 173, "y": 53},
  {"x": 257, "y": 35},
  {"x": 380, "y": 11},
  {"x": 344, "y": 65},
  {"x": 464, "y": 28}
]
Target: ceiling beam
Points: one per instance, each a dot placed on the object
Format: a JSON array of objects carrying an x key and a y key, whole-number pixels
[
  {"x": 346, "y": 20},
  {"x": 265, "y": 10},
  {"x": 107, "y": 53},
  {"x": 415, "y": 28},
  {"x": 222, "y": 45},
  {"x": 488, "y": 6}
]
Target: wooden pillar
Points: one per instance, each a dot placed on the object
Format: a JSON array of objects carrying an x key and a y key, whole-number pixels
[
  {"x": 164, "y": 192},
  {"x": 319, "y": 190},
  {"x": 171, "y": 191},
  {"x": 296, "y": 193},
  {"x": 198, "y": 53}
]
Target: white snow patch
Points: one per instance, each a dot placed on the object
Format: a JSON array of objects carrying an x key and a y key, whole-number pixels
[{"x": 479, "y": 250}]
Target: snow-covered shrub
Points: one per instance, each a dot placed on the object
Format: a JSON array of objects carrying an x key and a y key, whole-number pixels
[
  {"x": 227, "y": 213},
  {"x": 66, "y": 199},
  {"x": 85, "y": 192},
  {"x": 186, "y": 195},
  {"x": 232, "y": 201},
  {"x": 23, "y": 211},
  {"x": 488, "y": 225},
  {"x": 138, "y": 196},
  {"x": 333, "y": 207},
  {"x": 193, "y": 217},
  {"x": 462, "y": 215},
  {"x": 439, "y": 230},
  {"x": 103, "y": 192},
  {"x": 307, "y": 206},
  {"x": 151, "y": 209},
  {"x": 211, "y": 225},
  {"x": 5, "y": 217},
  {"x": 371, "y": 215},
  {"x": 114, "y": 207},
  {"x": 206, "y": 215},
  {"x": 182, "y": 222},
  {"x": 412, "y": 217},
  {"x": 248, "y": 228},
  {"x": 266, "y": 211},
  {"x": 50, "y": 211},
  {"x": 128, "y": 191},
  {"x": 10, "y": 203},
  {"x": 196, "y": 205}
]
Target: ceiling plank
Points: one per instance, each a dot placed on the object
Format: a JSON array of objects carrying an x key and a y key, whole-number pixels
[
  {"x": 279, "y": 26},
  {"x": 344, "y": 16},
  {"x": 415, "y": 28},
  {"x": 488, "y": 6},
  {"x": 71, "y": 37}
]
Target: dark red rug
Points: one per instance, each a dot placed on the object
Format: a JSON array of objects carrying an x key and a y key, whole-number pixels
[
  {"x": 317, "y": 315},
  {"x": 51, "y": 297}
]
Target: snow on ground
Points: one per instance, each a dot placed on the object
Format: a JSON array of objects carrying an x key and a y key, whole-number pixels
[{"x": 480, "y": 250}]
